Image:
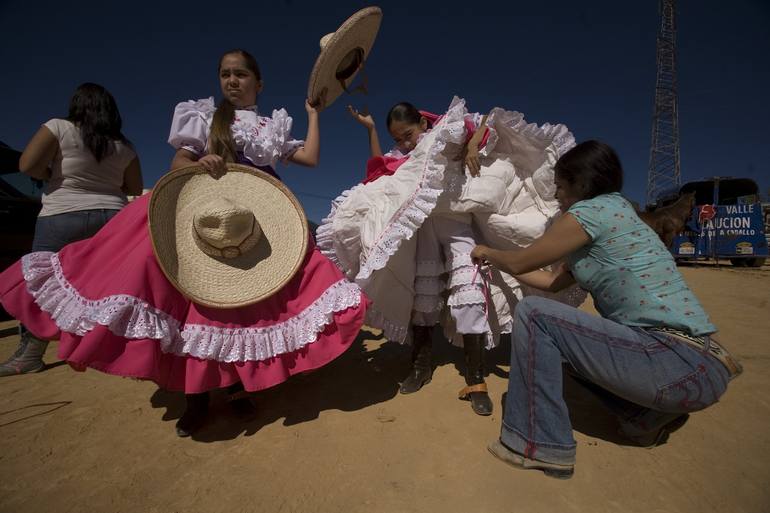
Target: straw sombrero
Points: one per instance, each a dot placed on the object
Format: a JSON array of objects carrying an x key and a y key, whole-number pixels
[
  {"x": 226, "y": 242},
  {"x": 342, "y": 54}
]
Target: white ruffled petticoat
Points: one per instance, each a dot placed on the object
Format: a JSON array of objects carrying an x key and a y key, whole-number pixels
[{"x": 370, "y": 231}]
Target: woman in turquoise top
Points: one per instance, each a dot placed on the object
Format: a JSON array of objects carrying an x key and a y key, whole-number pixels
[{"x": 650, "y": 354}]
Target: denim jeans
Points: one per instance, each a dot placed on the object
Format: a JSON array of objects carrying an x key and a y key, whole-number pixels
[
  {"x": 54, "y": 232},
  {"x": 653, "y": 374}
]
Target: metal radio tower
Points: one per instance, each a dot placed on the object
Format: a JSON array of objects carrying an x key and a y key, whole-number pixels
[{"x": 664, "y": 171}]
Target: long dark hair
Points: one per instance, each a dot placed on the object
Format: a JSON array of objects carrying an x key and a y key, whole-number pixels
[
  {"x": 592, "y": 167},
  {"x": 221, "y": 139},
  {"x": 94, "y": 111},
  {"x": 404, "y": 112}
]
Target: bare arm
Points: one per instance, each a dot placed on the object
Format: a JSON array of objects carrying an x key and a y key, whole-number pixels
[
  {"x": 183, "y": 158},
  {"x": 310, "y": 153},
  {"x": 562, "y": 238},
  {"x": 37, "y": 156},
  {"x": 550, "y": 281},
  {"x": 214, "y": 164},
  {"x": 472, "y": 149},
  {"x": 478, "y": 135},
  {"x": 368, "y": 122},
  {"x": 132, "y": 178},
  {"x": 374, "y": 143}
]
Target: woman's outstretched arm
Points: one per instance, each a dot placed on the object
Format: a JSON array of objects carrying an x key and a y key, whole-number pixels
[
  {"x": 368, "y": 122},
  {"x": 563, "y": 238}
]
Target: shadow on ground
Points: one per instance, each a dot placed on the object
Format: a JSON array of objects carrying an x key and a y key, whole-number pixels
[{"x": 366, "y": 374}]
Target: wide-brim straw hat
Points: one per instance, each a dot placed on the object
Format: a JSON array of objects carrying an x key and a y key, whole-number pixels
[
  {"x": 226, "y": 242},
  {"x": 343, "y": 52}
]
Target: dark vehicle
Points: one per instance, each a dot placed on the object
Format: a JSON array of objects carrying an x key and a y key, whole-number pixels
[
  {"x": 18, "y": 211},
  {"x": 727, "y": 222}
]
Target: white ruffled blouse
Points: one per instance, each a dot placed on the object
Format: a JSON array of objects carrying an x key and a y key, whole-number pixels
[{"x": 264, "y": 141}]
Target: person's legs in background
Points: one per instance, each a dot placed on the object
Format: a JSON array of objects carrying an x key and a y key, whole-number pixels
[{"x": 52, "y": 233}]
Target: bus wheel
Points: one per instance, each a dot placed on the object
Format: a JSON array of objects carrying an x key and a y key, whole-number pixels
[
  {"x": 738, "y": 262},
  {"x": 755, "y": 262}
]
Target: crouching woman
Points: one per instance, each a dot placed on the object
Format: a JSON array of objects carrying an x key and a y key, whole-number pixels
[{"x": 650, "y": 353}]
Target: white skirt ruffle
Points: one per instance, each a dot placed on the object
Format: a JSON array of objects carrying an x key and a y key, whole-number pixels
[{"x": 369, "y": 233}]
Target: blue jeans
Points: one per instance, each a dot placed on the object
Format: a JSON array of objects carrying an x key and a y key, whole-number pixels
[
  {"x": 54, "y": 232},
  {"x": 655, "y": 376}
]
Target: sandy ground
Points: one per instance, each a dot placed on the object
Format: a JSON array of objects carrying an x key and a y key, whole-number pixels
[{"x": 343, "y": 439}]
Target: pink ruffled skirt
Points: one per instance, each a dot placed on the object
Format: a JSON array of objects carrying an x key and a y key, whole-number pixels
[{"x": 112, "y": 309}]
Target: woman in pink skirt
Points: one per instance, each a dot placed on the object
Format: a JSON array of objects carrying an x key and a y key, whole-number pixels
[{"x": 111, "y": 304}]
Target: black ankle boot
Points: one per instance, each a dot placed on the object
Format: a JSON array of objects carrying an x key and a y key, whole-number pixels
[
  {"x": 240, "y": 402},
  {"x": 422, "y": 370},
  {"x": 194, "y": 415},
  {"x": 476, "y": 391}
]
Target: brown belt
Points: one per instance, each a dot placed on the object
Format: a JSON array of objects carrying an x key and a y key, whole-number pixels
[{"x": 706, "y": 343}]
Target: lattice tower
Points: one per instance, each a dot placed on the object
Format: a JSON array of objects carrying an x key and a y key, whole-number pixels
[{"x": 664, "y": 172}]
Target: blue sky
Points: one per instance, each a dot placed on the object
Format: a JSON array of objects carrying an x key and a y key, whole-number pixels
[{"x": 589, "y": 65}]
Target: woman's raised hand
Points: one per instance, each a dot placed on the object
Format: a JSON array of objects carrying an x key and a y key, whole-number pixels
[
  {"x": 312, "y": 106},
  {"x": 365, "y": 119}
]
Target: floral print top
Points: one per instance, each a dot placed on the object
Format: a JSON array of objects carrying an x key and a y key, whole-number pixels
[{"x": 629, "y": 272}]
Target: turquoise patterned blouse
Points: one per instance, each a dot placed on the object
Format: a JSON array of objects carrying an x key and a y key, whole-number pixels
[{"x": 630, "y": 274}]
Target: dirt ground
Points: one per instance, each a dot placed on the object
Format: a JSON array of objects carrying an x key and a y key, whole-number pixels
[{"x": 343, "y": 439}]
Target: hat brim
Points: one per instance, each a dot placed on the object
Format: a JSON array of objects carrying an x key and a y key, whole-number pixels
[
  {"x": 219, "y": 282},
  {"x": 358, "y": 31}
]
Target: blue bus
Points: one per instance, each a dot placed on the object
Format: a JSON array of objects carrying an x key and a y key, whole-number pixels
[{"x": 727, "y": 222}]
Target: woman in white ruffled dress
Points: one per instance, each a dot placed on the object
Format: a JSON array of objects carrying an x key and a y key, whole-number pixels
[{"x": 405, "y": 233}]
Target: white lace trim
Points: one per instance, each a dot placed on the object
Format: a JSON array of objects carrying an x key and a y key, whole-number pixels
[
  {"x": 326, "y": 240},
  {"x": 124, "y": 315},
  {"x": 425, "y": 303},
  {"x": 392, "y": 330},
  {"x": 467, "y": 295},
  {"x": 429, "y": 286},
  {"x": 430, "y": 268},
  {"x": 257, "y": 344},
  {"x": 460, "y": 278},
  {"x": 463, "y": 276},
  {"x": 134, "y": 318},
  {"x": 407, "y": 220},
  {"x": 396, "y": 153},
  {"x": 558, "y": 135},
  {"x": 458, "y": 261}
]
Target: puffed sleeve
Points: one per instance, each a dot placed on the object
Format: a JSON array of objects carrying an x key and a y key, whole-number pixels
[
  {"x": 282, "y": 138},
  {"x": 190, "y": 125}
]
